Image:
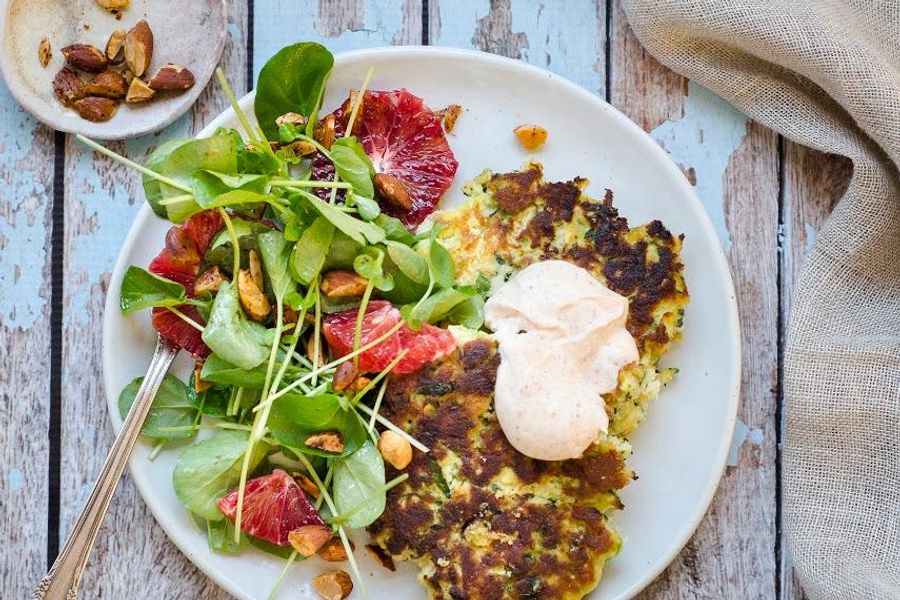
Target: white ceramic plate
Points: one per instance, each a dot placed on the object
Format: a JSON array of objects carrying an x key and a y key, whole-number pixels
[
  {"x": 679, "y": 451},
  {"x": 24, "y": 23}
]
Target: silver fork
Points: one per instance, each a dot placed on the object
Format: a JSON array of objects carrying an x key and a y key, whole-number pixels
[{"x": 64, "y": 577}]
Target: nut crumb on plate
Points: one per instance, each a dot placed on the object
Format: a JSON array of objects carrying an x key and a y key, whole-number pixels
[{"x": 531, "y": 137}]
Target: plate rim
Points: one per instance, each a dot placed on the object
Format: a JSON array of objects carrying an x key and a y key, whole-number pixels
[{"x": 719, "y": 261}]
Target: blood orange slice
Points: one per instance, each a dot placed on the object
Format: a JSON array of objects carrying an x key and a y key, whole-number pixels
[
  {"x": 428, "y": 344},
  {"x": 404, "y": 139},
  {"x": 274, "y": 506},
  {"x": 180, "y": 261}
]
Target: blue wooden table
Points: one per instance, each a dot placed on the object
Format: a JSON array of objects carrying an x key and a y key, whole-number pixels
[{"x": 64, "y": 213}]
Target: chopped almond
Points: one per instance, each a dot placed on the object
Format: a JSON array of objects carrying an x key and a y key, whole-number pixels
[
  {"x": 307, "y": 484},
  {"x": 531, "y": 137},
  {"x": 343, "y": 284},
  {"x": 200, "y": 386},
  {"x": 308, "y": 539},
  {"x": 209, "y": 281},
  {"x": 252, "y": 299},
  {"x": 325, "y": 132},
  {"x": 449, "y": 115},
  {"x": 329, "y": 441},
  {"x": 289, "y": 315},
  {"x": 393, "y": 191},
  {"x": 256, "y": 270},
  {"x": 333, "y": 550},
  {"x": 334, "y": 585}
]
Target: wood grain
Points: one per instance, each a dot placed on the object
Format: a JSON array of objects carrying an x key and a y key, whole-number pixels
[
  {"x": 26, "y": 178},
  {"x": 733, "y": 547},
  {"x": 812, "y": 183},
  {"x": 101, "y": 200}
]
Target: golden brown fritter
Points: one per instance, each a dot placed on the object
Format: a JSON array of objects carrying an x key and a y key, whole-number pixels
[{"x": 482, "y": 520}]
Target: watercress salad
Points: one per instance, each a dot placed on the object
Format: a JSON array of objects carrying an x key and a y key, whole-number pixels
[{"x": 263, "y": 262}]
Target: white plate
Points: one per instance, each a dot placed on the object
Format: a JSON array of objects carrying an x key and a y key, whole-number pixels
[{"x": 679, "y": 451}]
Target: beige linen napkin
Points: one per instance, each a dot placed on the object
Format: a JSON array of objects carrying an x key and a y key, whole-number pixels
[{"x": 825, "y": 73}]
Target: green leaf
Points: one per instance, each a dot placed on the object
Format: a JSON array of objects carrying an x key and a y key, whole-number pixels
[
  {"x": 212, "y": 402},
  {"x": 142, "y": 289},
  {"x": 358, "y": 486},
  {"x": 295, "y": 417},
  {"x": 231, "y": 335},
  {"x": 311, "y": 249},
  {"x": 394, "y": 229},
  {"x": 242, "y": 227},
  {"x": 276, "y": 256},
  {"x": 469, "y": 313},
  {"x": 291, "y": 81},
  {"x": 440, "y": 262},
  {"x": 360, "y": 232},
  {"x": 217, "y": 153},
  {"x": 210, "y": 469},
  {"x": 435, "y": 307},
  {"x": 221, "y": 372},
  {"x": 341, "y": 252},
  {"x": 408, "y": 261},
  {"x": 171, "y": 408},
  {"x": 220, "y": 535},
  {"x": 353, "y": 165},
  {"x": 366, "y": 208},
  {"x": 152, "y": 187},
  {"x": 208, "y": 186}
]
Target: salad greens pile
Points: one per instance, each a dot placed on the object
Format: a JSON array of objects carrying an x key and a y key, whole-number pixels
[{"x": 263, "y": 386}]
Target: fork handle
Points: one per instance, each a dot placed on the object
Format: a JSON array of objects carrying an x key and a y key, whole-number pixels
[{"x": 62, "y": 581}]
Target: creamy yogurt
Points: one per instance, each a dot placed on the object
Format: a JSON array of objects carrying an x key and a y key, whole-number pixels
[{"x": 562, "y": 341}]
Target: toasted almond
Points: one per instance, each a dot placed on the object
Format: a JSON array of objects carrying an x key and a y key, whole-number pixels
[
  {"x": 344, "y": 376},
  {"x": 138, "y": 92},
  {"x": 113, "y": 5},
  {"x": 333, "y": 585},
  {"x": 395, "y": 449},
  {"x": 172, "y": 77},
  {"x": 308, "y": 539},
  {"x": 333, "y": 550},
  {"x": 256, "y": 270},
  {"x": 289, "y": 315},
  {"x": 68, "y": 86},
  {"x": 361, "y": 383},
  {"x": 392, "y": 190},
  {"x": 200, "y": 386},
  {"x": 96, "y": 108},
  {"x": 325, "y": 131},
  {"x": 85, "y": 57},
  {"x": 115, "y": 46},
  {"x": 449, "y": 115},
  {"x": 531, "y": 137},
  {"x": 377, "y": 554},
  {"x": 139, "y": 47},
  {"x": 301, "y": 148},
  {"x": 343, "y": 284},
  {"x": 44, "y": 52},
  {"x": 109, "y": 84},
  {"x": 209, "y": 281},
  {"x": 254, "y": 302},
  {"x": 329, "y": 441},
  {"x": 307, "y": 484},
  {"x": 291, "y": 118}
]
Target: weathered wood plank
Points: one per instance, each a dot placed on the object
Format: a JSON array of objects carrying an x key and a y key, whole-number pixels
[
  {"x": 734, "y": 166},
  {"x": 102, "y": 197},
  {"x": 570, "y": 41},
  {"x": 26, "y": 178},
  {"x": 812, "y": 183},
  {"x": 339, "y": 24}
]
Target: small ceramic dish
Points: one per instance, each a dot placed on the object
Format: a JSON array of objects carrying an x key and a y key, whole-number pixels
[{"x": 191, "y": 34}]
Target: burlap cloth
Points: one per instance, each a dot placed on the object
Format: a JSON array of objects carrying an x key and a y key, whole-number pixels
[{"x": 825, "y": 74}]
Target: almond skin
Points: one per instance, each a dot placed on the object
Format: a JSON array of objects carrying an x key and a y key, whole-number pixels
[
  {"x": 96, "y": 108},
  {"x": 115, "y": 46},
  {"x": 333, "y": 550},
  {"x": 139, "y": 92},
  {"x": 325, "y": 132},
  {"x": 395, "y": 450},
  {"x": 172, "y": 77},
  {"x": 109, "y": 84},
  {"x": 392, "y": 190},
  {"x": 209, "y": 281},
  {"x": 334, "y": 585},
  {"x": 254, "y": 302},
  {"x": 85, "y": 57},
  {"x": 344, "y": 376},
  {"x": 308, "y": 539},
  {"x": 343, "y": 284},
  {"x": 139, "y": 48},
  {"x": 67, "y": 86}
]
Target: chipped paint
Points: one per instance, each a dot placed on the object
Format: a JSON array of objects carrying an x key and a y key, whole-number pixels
[
  {"x": 278, "y": 23},
  {"x": 742, "y": 435},
  {"x": 16, "y": 479},
  {"x": 704, "y": 140},
  {"x": 101, "y": 211},
  {"x": 23, "y": 233}
]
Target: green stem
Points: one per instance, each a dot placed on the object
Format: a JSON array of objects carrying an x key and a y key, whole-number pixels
[
  {"x": 186, "y": 319},
  {"x": 413, "y": 441},
  {"x": 176, "y": 199},
  {"x": 232, "y": 234},
  {"x": 360, "y": 315},
  {"x": 371, "y": 385},
  {"x": 308, "y": 183},
  {"x": 281, "y": 577},
  {"x": 377, "y": 406},
  {"x": 342, "y": 518},
  {"x": 153, "y": 453},
  {"x": 130, "y": 163},
  {"x": 325, "y": 152},
  {"x": 232, "y": 99}
]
